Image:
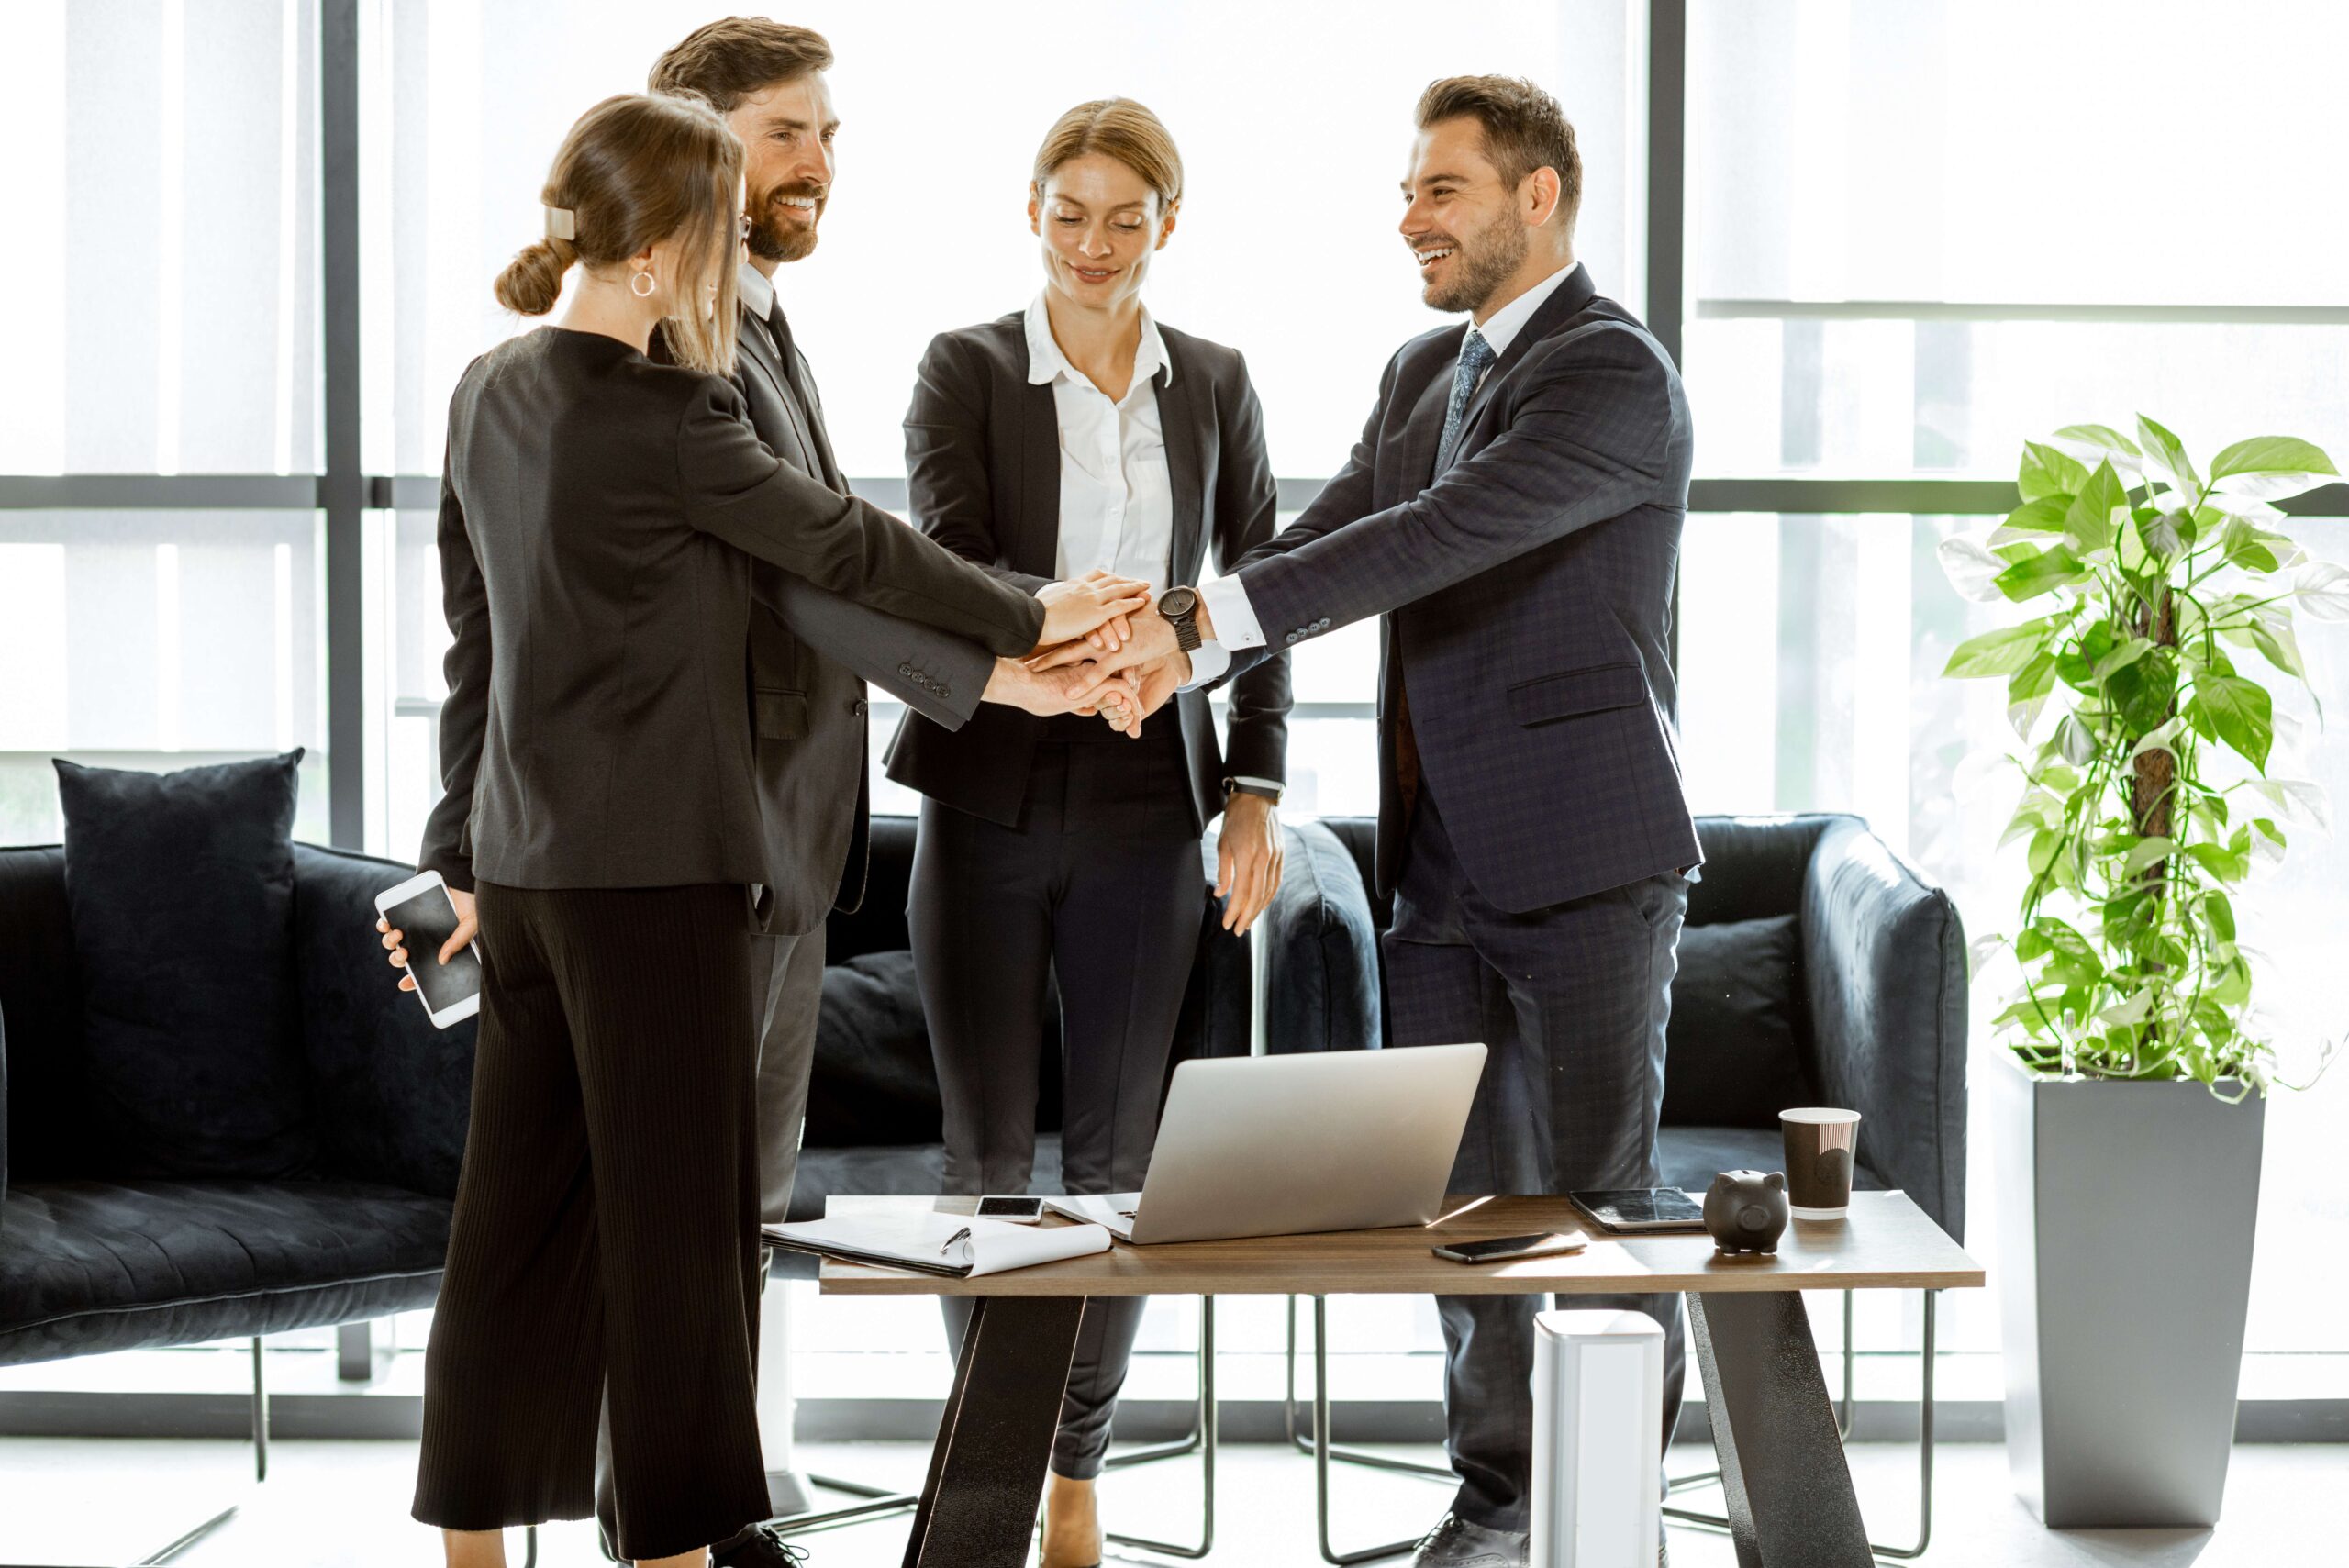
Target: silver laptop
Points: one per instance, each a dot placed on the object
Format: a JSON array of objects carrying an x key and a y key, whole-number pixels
[{"x": 1283, "y": 1145}]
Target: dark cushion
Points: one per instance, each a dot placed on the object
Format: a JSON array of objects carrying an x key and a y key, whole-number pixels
[
  {"x": 874, "y": 1081},
  {"x": 1692, "y": 1156},
  {"x": 1732, "y": 1050},
  {"x": 1322, "y": 974},
  {"x": 390, "y": 1093},
  {"x": 92, "y": 1266},
  {"x": 182, "y": 892},
  {"x": 49, "y": 1126}
]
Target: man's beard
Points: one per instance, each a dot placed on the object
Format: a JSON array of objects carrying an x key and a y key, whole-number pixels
[
  {"x": 1481, "y": 263},
  {"x": 775, "y": 237}
]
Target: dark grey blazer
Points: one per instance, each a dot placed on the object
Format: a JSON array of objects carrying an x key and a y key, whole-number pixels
[
  {"x": 809, "y": 663},
  {"x": 598, "y": 517},
  {"x": 1526, "y": 595},
  {"x": 983, "y": 476}
]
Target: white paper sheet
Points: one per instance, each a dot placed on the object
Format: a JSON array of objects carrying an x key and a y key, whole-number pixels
[{"x": 920, "y": 1239}]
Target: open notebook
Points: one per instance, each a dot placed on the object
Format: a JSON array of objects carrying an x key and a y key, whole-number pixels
[{"x": 952, "y": 1244}]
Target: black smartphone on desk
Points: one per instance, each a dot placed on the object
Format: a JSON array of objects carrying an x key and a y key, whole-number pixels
[
  {"x": 1504, "y": 1246},
  {"x": 1634, "y": 1209}
]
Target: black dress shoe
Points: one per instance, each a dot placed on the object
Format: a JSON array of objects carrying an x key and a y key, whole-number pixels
[{"x": 763, "y": 1547}]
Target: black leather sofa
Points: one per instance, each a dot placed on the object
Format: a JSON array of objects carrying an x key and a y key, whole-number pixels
[
  {"x": 1815, "y": 968},
  {"x": 95, "y": 1257}
]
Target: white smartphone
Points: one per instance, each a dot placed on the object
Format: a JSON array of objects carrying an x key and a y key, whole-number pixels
[{"x": 421, "y": 909}]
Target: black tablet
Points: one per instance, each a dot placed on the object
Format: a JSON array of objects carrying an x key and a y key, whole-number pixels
[{"x": 1643, "y": 1208}]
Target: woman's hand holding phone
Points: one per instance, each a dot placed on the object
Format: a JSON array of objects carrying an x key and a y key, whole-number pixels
[{"x": 468, "y": 927}]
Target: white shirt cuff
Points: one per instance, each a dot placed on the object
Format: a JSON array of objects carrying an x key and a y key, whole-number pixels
[
  {"x": 1208, "y": 662},
  {"x": 1235, "y": 619},
  {"x": 1273, "y": 784}
]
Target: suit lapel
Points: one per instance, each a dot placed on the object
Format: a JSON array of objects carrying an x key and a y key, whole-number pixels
[
  {"x": 756, "y": 345},
  {"x": 1565, "y": 301},
  {"x": 1179, "y": 427},
  {"x": 803, "y": 381},
  {"x": 1422, "y": 431},
  {"x": 1039, "y": 522}
]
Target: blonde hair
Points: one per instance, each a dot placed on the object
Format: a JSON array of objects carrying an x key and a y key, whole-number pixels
[
  {"x": 1118, "y": 128},
  {"x": 638, "y": 169}
]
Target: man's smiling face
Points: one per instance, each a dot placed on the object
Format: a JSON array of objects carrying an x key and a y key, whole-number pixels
[{"x": 786, "y": 132}]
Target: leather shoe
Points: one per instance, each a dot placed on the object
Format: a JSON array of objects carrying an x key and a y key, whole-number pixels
[
  {"x": 763, "y": 1547},
  {"x": 1456, "y": 1543}
]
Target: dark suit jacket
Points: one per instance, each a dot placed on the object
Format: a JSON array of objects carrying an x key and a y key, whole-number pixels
[
  {"x": 1527, "y": 598},
  {"x": 598, "y": 517},
  {"x": 808, "y": 666},
  {"x": 982, "y": 467}
]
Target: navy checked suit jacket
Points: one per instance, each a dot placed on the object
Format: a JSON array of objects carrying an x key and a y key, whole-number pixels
[{"x": 1525, "y": 596}]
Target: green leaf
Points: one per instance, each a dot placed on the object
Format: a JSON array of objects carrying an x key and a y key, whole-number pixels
[
  {"x": 2223, "y": 863},
  {"x": 2170, "y": 533},
  {"x": 2121, "y": 657},
  {"x": 2044, "y": 515},
  {"x": 2027, "y": 692},
  {"x": 2244, "y": 548},
  {"x": 2076, "y": 740},
  {"x": 2104, "y": 440},
  {"x": 2000, "y": 653},
  {"x": 2089, "y": 522},
  {"x": 2142, "y": 691},
  {"x": 2147, "y": 852},
  {"x": 2322, "y": 589},
  {"x": 2166, "y": 459},
  {"x": 1971, "y": 569},
  {"x": 2238, "y": 712},
  {"x": 2299, "y": 800},
  {"x": 2046, "y": 471},
  {"x": 2051, "y": 569},
  {"x": 2268, "y": 468},
  {"x": 2276, "y": 640},
  {"x": 2219, "y": 915}
]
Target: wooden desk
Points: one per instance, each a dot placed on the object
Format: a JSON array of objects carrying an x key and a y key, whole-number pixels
[{"x": 1789, "y": 1491}]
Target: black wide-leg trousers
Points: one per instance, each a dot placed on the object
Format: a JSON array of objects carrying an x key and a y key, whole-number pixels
[
  {"x": 605, "y": 1232},
  {"x": 1101, "y": 885}
]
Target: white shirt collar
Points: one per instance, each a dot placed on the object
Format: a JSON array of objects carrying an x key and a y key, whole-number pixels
[
  {"x": 1502, "y": 326},
  {"x": 757, "y": 291},
  {"x": 1046, "y": 363}
]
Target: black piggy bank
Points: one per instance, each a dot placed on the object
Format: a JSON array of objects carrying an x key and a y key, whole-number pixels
[{"x": 1745, "y": 1211}]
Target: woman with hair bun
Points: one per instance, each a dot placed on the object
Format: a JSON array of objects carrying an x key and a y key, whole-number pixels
[{"x": 599, "y": 514}]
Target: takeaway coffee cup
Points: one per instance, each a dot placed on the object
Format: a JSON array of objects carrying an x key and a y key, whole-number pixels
[{"x": 1820, "y": 1144}]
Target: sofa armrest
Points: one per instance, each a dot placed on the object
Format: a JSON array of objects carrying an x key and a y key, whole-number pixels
[
  {"x": 1322, "y": 977},
  {"x": 1884, "y": 966},
  {"x": 391, "y": 1093}
]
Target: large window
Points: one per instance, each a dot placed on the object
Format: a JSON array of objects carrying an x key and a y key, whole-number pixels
[{"x": 1888, "y": 242}]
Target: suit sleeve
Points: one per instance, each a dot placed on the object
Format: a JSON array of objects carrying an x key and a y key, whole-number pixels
[
  {"x": 1247, "y": 505},
  {"x": 1588, "y": 442},
  {"x": 736, "y": 490},
  {"x": 464, "y": 717},
  {"x": 947, "y": 486},
  {"x": 878, "y": 648}
]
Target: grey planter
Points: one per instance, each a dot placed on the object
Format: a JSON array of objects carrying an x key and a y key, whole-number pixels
[{"x": 2126, "y": 1214}]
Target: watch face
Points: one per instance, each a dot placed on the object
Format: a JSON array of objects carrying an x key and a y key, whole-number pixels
[{"x": 1178, "y": 602}]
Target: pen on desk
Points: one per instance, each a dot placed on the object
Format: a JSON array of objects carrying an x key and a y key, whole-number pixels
[{"x": 958, "y": 1235}]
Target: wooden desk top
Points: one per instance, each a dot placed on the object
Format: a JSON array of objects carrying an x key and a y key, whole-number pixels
[{"x": 1887, "y": 1243}]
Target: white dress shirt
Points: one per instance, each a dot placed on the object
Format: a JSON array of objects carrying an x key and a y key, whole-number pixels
[
  {"x": 1117, "y": 503},
  {"x": 1227, "y": 602}
]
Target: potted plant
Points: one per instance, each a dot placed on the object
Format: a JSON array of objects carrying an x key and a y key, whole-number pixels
[{"x": 2128, "y": 1108}]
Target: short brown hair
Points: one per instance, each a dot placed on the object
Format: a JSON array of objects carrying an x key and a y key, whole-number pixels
[
  {"x": 636, "y": 170},
  {"x": 1524, "y": 130},
  {"x": 1118, "y": 128},
  {"x": 726, "y": 60}
]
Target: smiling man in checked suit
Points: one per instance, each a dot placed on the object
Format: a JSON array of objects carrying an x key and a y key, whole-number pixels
[{"x": 1513, "y": 513}]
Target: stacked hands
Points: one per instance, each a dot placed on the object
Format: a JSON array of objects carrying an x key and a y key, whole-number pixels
[{"x": 1105, "y": 650}]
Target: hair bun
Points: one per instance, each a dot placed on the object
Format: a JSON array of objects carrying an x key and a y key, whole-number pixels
[{"x": 532, "y": 280}]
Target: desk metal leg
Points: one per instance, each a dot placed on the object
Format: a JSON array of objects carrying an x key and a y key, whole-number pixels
[
  {"x": 1342, "y": 1455},
  {"x": 995, "y": 1440},
  {"x": 1202, "y": 1441},
  {"x": 1790, "y": 1490},
  {"x": 1843, "y": 1430}
]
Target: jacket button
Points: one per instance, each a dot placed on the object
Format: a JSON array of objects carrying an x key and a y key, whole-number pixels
[
  {"x": 859, "y": 707},
  {"x": 904, "y": 669},
  {"x": 944, "y": 690}
]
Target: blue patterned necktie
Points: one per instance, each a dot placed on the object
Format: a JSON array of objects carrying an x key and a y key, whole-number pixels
[{"x": 1474, "y": 355}]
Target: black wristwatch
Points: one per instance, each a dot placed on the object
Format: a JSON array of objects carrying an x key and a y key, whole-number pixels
[{"x": 1180, "y": 608}]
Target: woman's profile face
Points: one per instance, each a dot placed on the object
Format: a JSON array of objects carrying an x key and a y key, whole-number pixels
[{"x": 1101, "y": 222}]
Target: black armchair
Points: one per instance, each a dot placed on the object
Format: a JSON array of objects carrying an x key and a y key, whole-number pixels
[{"x": 1873, "y": 1013}]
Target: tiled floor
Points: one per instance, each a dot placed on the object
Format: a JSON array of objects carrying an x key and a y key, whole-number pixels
[{"x": 344, "y": 1505}]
